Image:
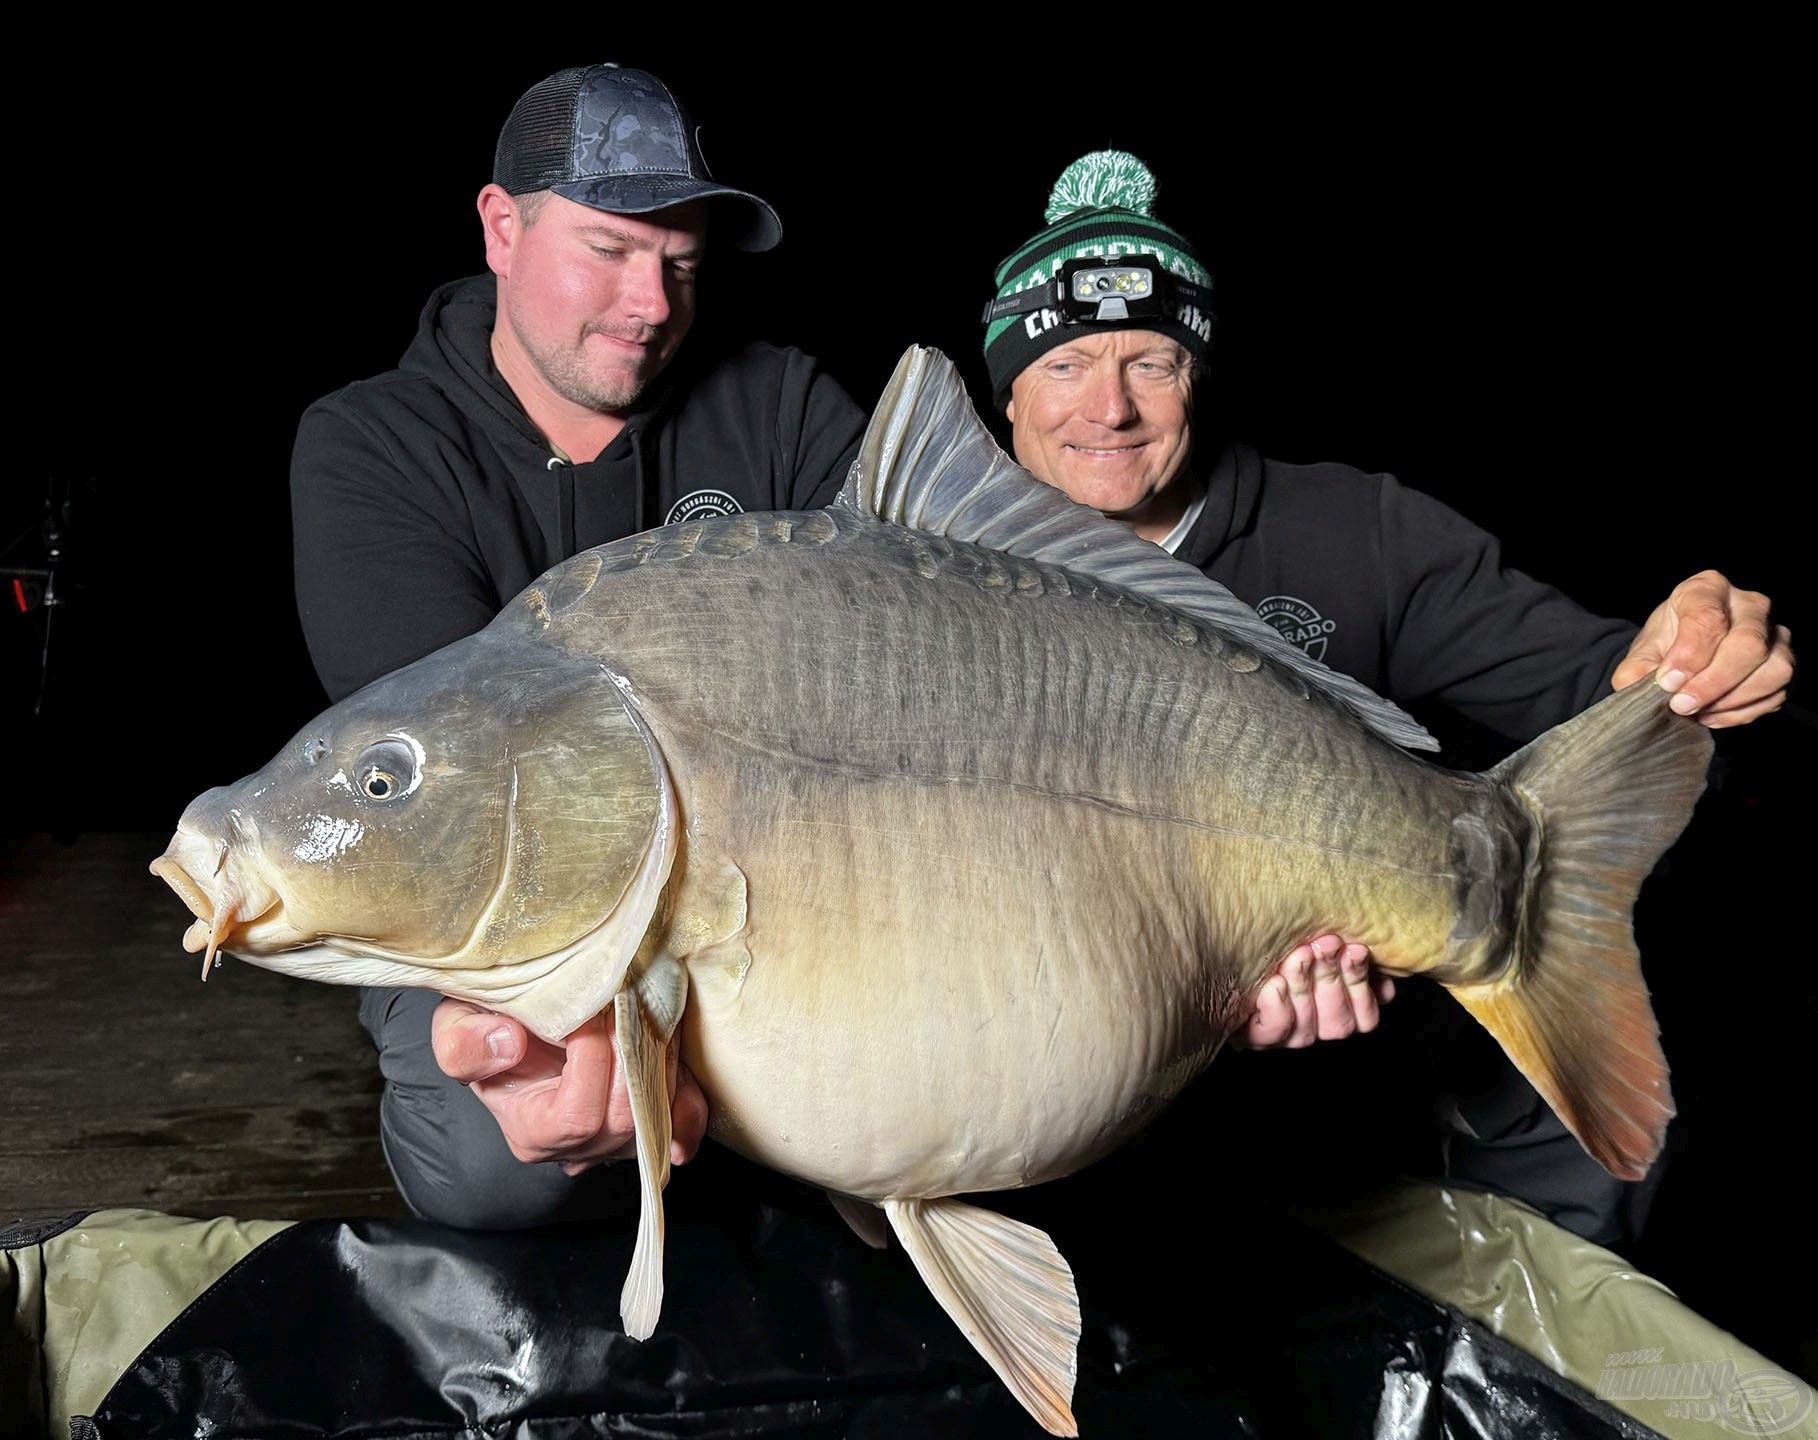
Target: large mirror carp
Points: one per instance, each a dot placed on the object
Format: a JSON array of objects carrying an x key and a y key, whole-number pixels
[{"x": 953, "y": 867}]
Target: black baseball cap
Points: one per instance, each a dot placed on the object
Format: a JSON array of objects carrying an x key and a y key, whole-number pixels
[{"x": 617, "y": 139}]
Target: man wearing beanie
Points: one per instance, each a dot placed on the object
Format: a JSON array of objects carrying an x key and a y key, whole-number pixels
[
  {"x": 542, "y": 409},
  {"x": 1095, "y": 343}
]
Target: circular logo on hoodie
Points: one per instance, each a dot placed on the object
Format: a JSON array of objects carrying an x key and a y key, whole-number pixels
[
  {"x": 1300, "y": 624},
  {"x": 702, "y": 505}
]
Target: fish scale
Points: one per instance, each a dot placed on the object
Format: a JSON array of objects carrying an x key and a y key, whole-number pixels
[{"x": 945, "y": 649}]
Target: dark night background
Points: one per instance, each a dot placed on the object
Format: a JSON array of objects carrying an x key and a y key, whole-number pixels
[{"x": 1547, "y": 278}]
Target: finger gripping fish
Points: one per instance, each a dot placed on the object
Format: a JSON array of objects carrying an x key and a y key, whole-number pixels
[{"x": 954, "y": 867}]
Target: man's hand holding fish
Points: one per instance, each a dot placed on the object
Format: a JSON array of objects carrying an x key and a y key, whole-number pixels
[
  {"x": 1717, "y": 648},
  {"x": 566, "y": 1103}
]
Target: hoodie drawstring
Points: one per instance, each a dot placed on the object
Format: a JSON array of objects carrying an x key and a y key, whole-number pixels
[
  {"x": 637, "y": 456},
  {"x": 564, "y": 473}
]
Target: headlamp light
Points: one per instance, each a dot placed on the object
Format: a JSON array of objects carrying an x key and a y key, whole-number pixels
[{"x": 1092, "y": 289}]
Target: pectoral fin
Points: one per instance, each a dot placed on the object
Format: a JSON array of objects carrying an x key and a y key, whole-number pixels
[
  {"x": 1009, "y": 1291},
  {"x": 866, "y": 1220},
  {"x": 645, "y": 1015}
]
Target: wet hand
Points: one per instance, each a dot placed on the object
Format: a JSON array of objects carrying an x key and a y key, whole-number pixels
[
  {"x": 1323, "y": 990},
  {"x": 1717, "y": 649},
  {"x": 563, "y": 1103}
]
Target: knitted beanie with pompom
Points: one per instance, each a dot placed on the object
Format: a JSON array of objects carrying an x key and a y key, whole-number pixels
[{"x": 1103, "y": 206}]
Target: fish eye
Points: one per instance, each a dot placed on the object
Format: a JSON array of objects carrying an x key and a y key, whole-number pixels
[
  {"x": 378, "y": 785},
  {"x": 387, "y": 770}
]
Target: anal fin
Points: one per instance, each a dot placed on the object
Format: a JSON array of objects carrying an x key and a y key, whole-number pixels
[
  {"x": 866, "y": 1220},
  {"x": 1008, "y": 1290}
]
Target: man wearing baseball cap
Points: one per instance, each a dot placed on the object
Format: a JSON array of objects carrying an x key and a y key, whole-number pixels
[
  {"x": 542, "y": 409},
  {"x": 1096, "y": 341}
]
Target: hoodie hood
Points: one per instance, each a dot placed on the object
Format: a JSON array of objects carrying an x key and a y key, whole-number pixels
[
  {"x": 453, "y": 350},
  {"x": 1234, "y": 487}
]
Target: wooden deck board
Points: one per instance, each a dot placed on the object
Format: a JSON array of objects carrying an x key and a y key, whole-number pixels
[{"x": 129, "y": 1082}]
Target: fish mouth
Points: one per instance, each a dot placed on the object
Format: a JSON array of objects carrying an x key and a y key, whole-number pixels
[{"x": 217, "y": 918}]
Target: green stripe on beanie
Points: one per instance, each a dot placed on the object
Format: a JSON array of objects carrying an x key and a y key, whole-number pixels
[{"x": 1101, "y": 207}]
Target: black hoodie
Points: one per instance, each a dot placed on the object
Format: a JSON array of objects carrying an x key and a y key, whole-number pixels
[
  {"x": 425, "y": 499},
  {"x": 1400, "y": 591}
]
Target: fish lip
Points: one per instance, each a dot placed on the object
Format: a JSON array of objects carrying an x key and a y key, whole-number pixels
[
  {"x": 195, "y": 939},
  {"x": 201, "y": 905},
  {"x": 188, "y": 891}
]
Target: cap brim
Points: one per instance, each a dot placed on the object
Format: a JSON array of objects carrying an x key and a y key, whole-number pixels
[{"x": 749, "y": 221}]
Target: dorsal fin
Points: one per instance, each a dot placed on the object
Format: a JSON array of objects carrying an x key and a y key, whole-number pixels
[{"x": 929, "y": 464}]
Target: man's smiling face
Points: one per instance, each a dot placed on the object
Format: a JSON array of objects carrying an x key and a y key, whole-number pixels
[
  {"x": 598, "y": 303},
  {"x": 1107, "y": 417}
]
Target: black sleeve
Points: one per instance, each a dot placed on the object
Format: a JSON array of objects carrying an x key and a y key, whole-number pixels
[
  {"x": 386, "y": 568},
  {"x": 821, "y": 430},
  {"x": 1490, "y": 642}
]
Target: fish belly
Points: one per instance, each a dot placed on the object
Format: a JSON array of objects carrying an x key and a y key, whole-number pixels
[{"x": 929, "y": 998}]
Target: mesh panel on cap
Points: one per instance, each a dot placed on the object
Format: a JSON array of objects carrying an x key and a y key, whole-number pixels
[{"x": 536, "y": 146}]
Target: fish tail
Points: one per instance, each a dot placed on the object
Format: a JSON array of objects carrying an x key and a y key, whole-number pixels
[{"x": 1606, "y": 793}]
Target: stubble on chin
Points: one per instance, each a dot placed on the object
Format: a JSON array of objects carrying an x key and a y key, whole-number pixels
[
  {"x": 610, "y": 392},
  {"x": 566, "y": 371},
  {"x": 605, "y": 397}
]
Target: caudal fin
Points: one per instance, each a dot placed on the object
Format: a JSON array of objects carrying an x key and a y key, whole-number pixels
[{"x": 1609, "y": 791}]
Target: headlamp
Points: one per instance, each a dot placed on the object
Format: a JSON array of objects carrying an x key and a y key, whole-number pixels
[{"x": 1092, "y": 289}]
